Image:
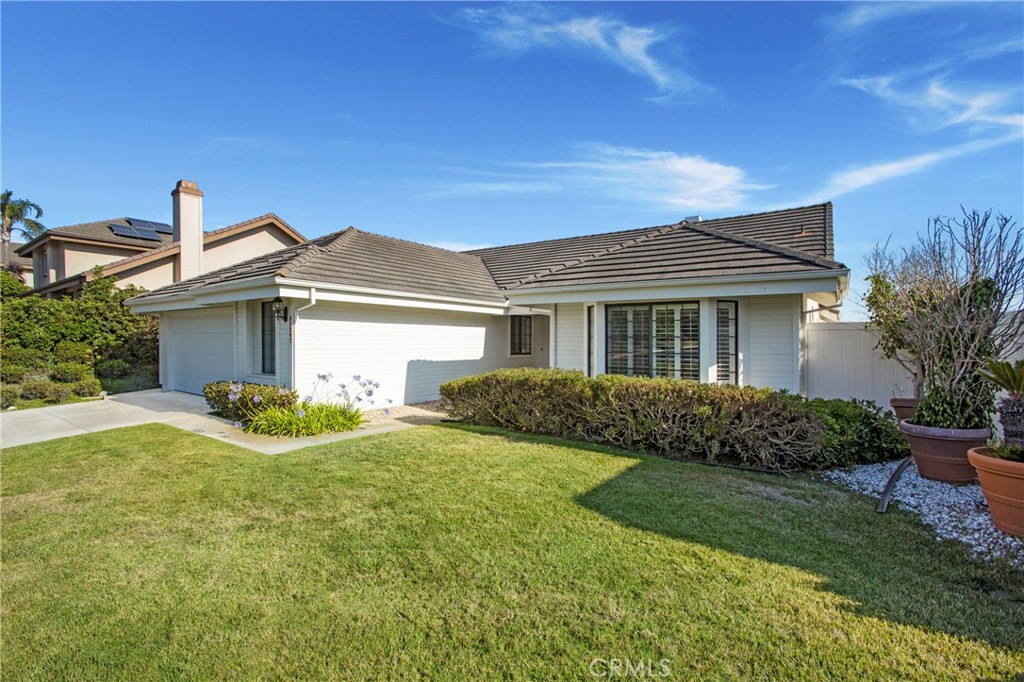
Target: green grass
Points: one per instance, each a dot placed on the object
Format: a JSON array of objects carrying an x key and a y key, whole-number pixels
[
  {"x": 459, "y": 553},
  {"x": 23, "y": 404}
]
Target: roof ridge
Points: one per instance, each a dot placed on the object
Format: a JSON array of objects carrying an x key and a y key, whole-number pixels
[
  {"x": 561, "y": 239},
  {"x": 420, "y": 244},
  {"x": 288, "y": 269},
  {"x": 761, "y": 213},
  {"x": 646, "y": 236},
  {"x": 767, "y": 246}
]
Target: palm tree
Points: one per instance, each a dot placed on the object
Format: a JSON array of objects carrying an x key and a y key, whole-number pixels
[{"x": 21, "y": 215}]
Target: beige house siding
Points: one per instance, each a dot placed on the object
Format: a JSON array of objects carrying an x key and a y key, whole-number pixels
[
  {"x": 241, "y": 247},
  {"x": 570, "y": 336},
  {"x": 78, "y": 258},
  {"x": 149, "y": 275}
]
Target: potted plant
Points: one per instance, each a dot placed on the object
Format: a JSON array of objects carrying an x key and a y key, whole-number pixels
[
  {"x": 1001, "y": 468},
  {"x": 949, "y": 301}
]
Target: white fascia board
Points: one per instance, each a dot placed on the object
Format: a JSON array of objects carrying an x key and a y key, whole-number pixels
[
  {"x": 526, "y": 310},
  {"x": 496, "y": 307},
  {"x": 163, "y": 306},
  {"x": 400, "y": 302},
  {"x": 753, "y": 285}
]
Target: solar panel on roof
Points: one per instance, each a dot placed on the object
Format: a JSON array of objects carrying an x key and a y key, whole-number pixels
[
  {"x": 134, "y": 232},
  {"x": 162, "y": 228}
]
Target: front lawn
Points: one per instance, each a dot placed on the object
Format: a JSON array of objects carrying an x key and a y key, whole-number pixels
[{"x": 462, "y": 553}]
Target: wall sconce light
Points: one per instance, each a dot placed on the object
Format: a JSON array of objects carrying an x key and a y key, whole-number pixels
[{"x": 280, "y": 309}]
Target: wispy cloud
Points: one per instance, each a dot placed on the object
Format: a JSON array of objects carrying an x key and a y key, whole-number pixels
[
  {"x": 644, "y": 177},
  {"x": 864, "y": 14},
  {"x": 512, "y": 30},
  {"x": 873, "y": 174}
]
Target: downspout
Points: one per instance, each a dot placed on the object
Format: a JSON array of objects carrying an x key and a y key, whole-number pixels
[{"x": 295, "y": 319}]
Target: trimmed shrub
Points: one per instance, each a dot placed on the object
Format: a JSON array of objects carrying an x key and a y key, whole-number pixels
[
  {"x": 36, "y": 390},
  {"x": 60, "y": 393},
  {"x": 73, "y": 351},
  {"x": 858, "y": 432},
  {"x": 32, "y": 358},
  {"x": 112, "y": 369},
  {"x": 755, "y": 427},
  {"x": 9, "y": 395},
  {"x": 305, "y": 419},
  {"x": 716, "y": 423},
  {"x": 14, "y": 374},
  {"x": 71, "y": 372},
  {"x": 87, "y": 388},
  {"x": 241, "y": 402}
]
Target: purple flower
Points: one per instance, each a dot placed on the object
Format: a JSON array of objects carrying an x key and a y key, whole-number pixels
[
  {"x": 387, "y": 411},
  {"x": 355, "y": 377},
  {"x": 282, "y": 391},
  {"x": 376, "y": 384},
  {"x": 390, "y": 401},
  {"x": 300, "y": 413},
  {"x": 369, "y": 391},
  {"x": 232, "y": 397},
  {"x": 308, "y": 399},
  {"x": 359, "y": 398},
  {"x": 257, "y": 399},
  {"x": 238, "y": 425},
  {"x": 326, "y": 376}
]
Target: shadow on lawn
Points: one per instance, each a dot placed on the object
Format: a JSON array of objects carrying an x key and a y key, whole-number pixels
[{"x": 889, "y": 565}]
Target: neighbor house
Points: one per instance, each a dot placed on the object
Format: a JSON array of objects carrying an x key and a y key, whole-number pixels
[
  {"x": 24, "y": 262},
  {"x": 147, "y": 253},
  {"x": 723, "y": 300}
]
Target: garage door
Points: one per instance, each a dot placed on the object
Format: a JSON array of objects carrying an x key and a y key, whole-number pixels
[{"x": 202, "y": 348}]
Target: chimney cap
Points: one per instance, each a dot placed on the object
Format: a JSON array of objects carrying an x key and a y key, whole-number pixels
[
  {"x": 187, "y": 187},
  {"x": 693, "y": 219}
]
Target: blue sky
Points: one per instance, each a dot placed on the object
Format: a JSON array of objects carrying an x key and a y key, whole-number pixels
[{"x": 485, "y": 123}]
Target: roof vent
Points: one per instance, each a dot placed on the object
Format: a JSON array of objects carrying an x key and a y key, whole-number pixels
[{"x": 693, "y": 219}]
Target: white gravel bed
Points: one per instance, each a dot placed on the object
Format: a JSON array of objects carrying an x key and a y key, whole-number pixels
[
  {"x": 955, "y": 512},
  {"x": 382, "y": 415}
]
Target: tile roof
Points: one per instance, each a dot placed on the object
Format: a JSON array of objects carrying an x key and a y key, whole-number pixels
[
  {"x": 23, "y": 261},
  {"x": 788, "y": 241},
  {"x": 99, "y": 231},
  {"x": 361, "y": 259}
]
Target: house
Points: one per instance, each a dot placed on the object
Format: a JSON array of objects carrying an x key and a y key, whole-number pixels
[
  {"x": 723, "y": 300},
  {"x": 147, "y": 253},
  {"x": 24, "y": 262}
]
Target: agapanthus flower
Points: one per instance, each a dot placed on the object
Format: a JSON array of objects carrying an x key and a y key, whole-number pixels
[
  {"x": 238, "y": 425},
  {"x": 257, "y": 399},
  {"x": 300, "y": 413},
  {"x": 387, "y": 411},
  {"x": 355, "y": 377}
]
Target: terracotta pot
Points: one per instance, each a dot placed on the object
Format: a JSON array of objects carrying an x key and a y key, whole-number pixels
[
  {"x": 941, "y": 454},
  {"x": 1002, "y": 481},
  {"x": 904, "y": 407}
]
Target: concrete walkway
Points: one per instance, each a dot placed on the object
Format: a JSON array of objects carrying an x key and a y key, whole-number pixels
[{"x": 181, "y": 410}]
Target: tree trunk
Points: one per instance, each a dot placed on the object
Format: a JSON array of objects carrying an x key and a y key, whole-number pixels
[{"x": 5, "y": 248}]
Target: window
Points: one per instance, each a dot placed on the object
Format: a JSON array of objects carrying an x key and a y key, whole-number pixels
[
  {"x": 268, "y": 339},
  {"x": 522, "y": 335},
  {"x": 590, "y": 341},
  {"x": 659, "y": 340},
  {"x": 728, "y": 357}
]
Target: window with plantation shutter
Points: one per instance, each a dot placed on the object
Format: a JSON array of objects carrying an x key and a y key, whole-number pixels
[
  {"x": 658, "y": 340},
  {"x": 268, "y": 341},
  {"x": 522, "y": 335}
]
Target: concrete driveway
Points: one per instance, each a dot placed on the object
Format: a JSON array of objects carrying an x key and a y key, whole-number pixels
[{"x": 181, "y": 410}]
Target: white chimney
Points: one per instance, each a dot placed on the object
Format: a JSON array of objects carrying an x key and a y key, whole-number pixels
[{"x": 188, "y": 228}]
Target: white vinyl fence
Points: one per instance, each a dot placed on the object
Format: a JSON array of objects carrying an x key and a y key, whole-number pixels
[{"x": 841, "y": 362}]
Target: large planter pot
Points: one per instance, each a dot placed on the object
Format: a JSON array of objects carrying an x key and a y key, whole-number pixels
[
  {"x": 904, "y": 407},
  {"x": 941, "y": 454},
  {"x": 1002, "y": 481}
]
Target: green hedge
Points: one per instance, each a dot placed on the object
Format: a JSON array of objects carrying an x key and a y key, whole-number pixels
[
  {"x": 112, "y": 369},
  {"x": 858, "y": 432},
  {"x": 715, "y": 423},
  {"x": 71, "y": 372},
  {"x": 240, "y": 402}
]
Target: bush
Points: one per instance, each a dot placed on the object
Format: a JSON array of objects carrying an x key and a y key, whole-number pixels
[
  {"x": 36, "y": 390},
  {"x": 11, "y": 284},
  {"x": 858, "y": 432},
  {"x": 60, "y": 393},
  {"x": 87, "y": 388},
  {"x": 71, "y": 372},
  {"x": 14, "y": 374},
  {"x": 241, "y": 402},
  {"x": 97, "y": 318},
  {"x": 9, "y": 395},
  {"x": 113, "y": 368},
  {"x": 32, "y": 358},
  {"x": 756, "y": 427},
  {"x": 73, "y": 351},
  {"x": 305, "y": 419}
]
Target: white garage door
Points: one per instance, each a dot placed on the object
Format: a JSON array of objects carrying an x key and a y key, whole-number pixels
[{"x": 202, "y": 348}]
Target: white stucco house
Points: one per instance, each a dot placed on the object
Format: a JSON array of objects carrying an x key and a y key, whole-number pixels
[{"x": 723, "y": 300}]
